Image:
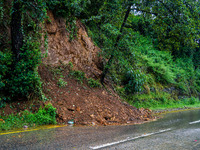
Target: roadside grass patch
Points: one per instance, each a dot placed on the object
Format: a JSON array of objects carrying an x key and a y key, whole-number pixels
[
  {"x": 44, "y": 116},
  {"x": 166, "y": 103}
]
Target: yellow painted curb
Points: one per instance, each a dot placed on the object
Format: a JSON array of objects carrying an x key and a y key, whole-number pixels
[{"x": 38, "y": 128}]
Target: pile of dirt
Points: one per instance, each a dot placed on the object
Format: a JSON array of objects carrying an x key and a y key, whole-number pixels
[{"x": 88, "y": 106}]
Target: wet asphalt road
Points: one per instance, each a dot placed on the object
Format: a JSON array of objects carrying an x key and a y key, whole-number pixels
[{"x": 175, "y": 131}]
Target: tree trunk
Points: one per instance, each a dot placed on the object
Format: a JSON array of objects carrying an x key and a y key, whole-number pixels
[
  {"x": 16, "y": 30},
  {"x": 105, "y": 71}
]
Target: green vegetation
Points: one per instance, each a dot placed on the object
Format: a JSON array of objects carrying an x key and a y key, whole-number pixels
[
  {"x": 61, "y": 83},
  {"x": 150, "y": 49},
  {"x": 161, "y": 101},
  {"x": 93, "y": 83},
  {"x": 152, "y": 56},
  {"x": 78, "y": 75},
  {"x": 44, "y": 116},
  {"x": 61, "y": 71},
  {"x": 21, "y": 55}
]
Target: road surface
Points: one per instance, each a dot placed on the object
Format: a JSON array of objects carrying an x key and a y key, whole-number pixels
[{"x": 175, "y": 131}]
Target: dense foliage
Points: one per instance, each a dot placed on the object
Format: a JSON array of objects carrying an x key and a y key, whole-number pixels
[
  {"x": 151, "y": 45},
  {"x": 158, "y": 50}
]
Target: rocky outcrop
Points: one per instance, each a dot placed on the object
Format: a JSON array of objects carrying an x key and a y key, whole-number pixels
[{"x": 81, "y": 51}]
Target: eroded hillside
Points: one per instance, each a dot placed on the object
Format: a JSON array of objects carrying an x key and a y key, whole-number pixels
[
  {"x": 78, "y": 101},
  {"x": 81, "y": 51}
]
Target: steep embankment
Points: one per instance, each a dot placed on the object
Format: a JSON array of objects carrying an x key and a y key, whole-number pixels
[
  {"x": 78, "y": 101},
  {"x": 81, "y": 51},
  {"x": 68, "y": 90}
]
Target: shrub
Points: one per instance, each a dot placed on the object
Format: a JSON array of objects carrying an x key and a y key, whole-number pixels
[
  {"x": 70, "y": 64},
  {"x": 61, "y": 82},
  {"x": 78, "y": 75},
  {"x": 44, "y": 116},
  {"x": 93, "y": 83},
  {"x": 190, "y": 101},
  {"x": 134, "y": 81}
]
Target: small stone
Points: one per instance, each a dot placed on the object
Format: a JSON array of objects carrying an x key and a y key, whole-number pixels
[
  {"x": 25, "y": 127},
  {"x": 78, "y": 109},
  {"x": 92, "y": 116}
]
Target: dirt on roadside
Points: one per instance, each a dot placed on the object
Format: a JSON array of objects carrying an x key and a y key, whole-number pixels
[
  {"x": 89, "y": 106},
  {"x": 81, "y": 103}
]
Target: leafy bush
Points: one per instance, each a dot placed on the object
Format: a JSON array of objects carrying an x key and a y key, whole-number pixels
[
  {"x": 78, "y": 75},
  {"x": 6, "y": 61},
  {"x": 93, "y": 83},
  {"x": 134, "y": 81},
  {"x": 2, "y": 103},
  {"x": 67, "y": 8},
  {"x": 18, "y": 75},
  {"x": 24, "y": 79},
  {"x": 70, "y": 64},
  {"x": 189, "y": 101},
  {"x": 61, "y": 82},
  {"x": 47, "y": 115},
  {"x": 187, "y": 78}
]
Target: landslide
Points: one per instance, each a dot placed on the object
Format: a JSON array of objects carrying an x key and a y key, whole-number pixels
[
  {"x": 88, "y": 106},
  {"x": 79, "y": 102}
]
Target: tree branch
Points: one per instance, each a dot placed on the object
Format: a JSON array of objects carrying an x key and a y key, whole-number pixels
[{"x": 105, "y": 71}]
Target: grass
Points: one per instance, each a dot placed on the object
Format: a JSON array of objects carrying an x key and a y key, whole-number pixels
[
  {"x": 179, "y": 104},
  {"x": 166, "y": 103},
  {"x": 44, "y": 116},
  {"x": 163, "y": 107}
]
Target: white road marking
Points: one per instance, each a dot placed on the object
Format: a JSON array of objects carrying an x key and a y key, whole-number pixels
[
  {"x": 195, "y": 122},
  {"x": 128, "y": 139}
]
